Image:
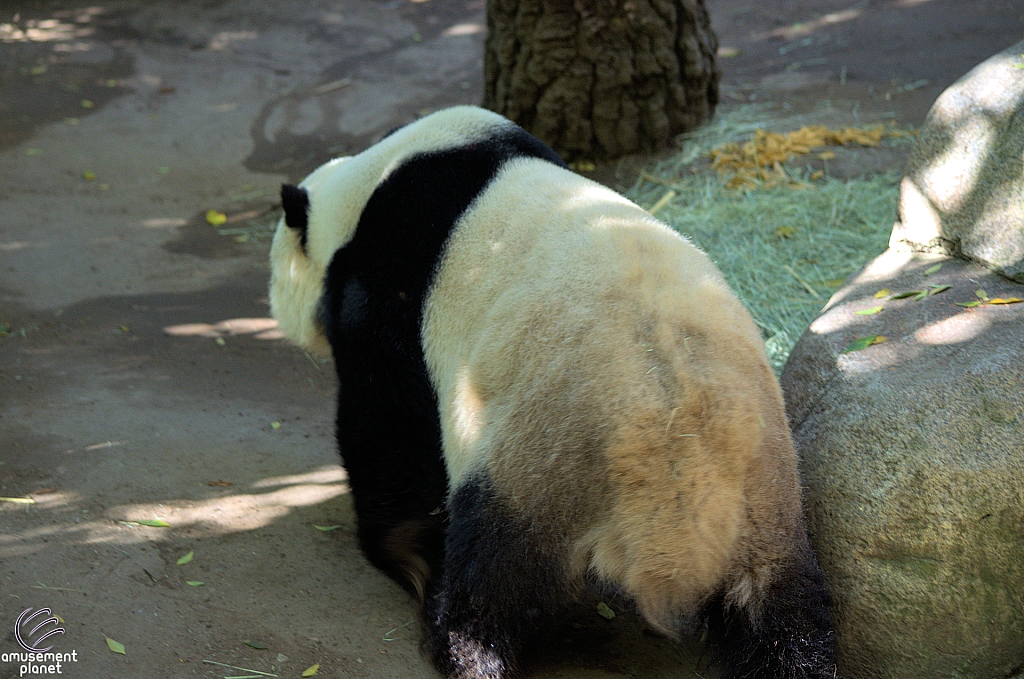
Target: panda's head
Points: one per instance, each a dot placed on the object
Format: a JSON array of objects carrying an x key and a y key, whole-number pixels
[{"x": 322, "y": 212}]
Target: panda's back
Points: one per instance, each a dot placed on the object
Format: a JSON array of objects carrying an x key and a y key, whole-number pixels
[{"x": 571, "y": 336}]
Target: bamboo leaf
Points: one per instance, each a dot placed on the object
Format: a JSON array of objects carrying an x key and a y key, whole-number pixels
[
  {"x": 115, "y": 646},
  {"x": 153, "y": 523},
  {"x": 861, "y": 343}
]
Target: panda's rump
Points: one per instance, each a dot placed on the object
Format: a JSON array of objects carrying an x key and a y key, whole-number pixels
[{"x": 595, "y": 368}]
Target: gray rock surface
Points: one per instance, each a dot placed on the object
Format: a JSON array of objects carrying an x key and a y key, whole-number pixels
[
  {"x": 912, "y": 453},
  {"x": 963, "y": 193}
]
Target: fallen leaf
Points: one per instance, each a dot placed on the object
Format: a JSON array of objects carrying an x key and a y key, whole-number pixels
[
  {"x": 729, "y": 52},
  {"x": 154, "y": 523},
  {"x": 861, "y": 343},
  {"x": 311, "y": 670},
  {"x": 215, "y": 218},
  {"x": 275, "y": 425},
  {"x": 980, "y": 294},
  {"x": 194, "y": 583},
  {"x": 219, "y": 483},
  {"x": 221, "y": 341},
  {"x": 784, "y": 232},
  {"x": 86, "y": 103},
  {"x": 38, "y": 69},
  {"x": 904, "y": 295},
  {"x": 936, "y": 289},
  {"x": 88, "y": 175},
  {"x": 919, "y": 296},
  {"x": 883, "y": 293},
  {"x": 166, "y": 89},
  {"x": 1007, "y": 300},
  {"x": 968, "y": 305},
  {"x": 185, "y": 559},
  {"x": 32, "y": 152},
  {"x": 257, "y": 645},
  {"x": 827, "y": 155},
  {"x": 18, "y": 500},
  {"x": 110, "y": 83},
  {"x": 932, "y": 269},
  {"x": 163, "y": 169},
  {"x": 582, "y": 166},
  {"x": 326, "y": 528},
  {"x": 879, "y": 339},
  {"x": 868, "y": 312},
  {"x": 605, "y": 611},
  {"x": 115, "y": 646}
]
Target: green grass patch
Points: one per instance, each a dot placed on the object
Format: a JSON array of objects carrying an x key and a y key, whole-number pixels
[{"x": 783, "y": 250}]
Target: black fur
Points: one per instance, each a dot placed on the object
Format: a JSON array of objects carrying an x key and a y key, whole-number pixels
[
  {"x": 388, "y": 427},
  {"x": 295, "y": 202},
  {"x": 497, "y": 583},
  {"x": 791, "y": 637}
]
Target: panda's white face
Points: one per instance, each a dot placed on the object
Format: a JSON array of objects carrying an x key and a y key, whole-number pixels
[{"x": 337, "y": 193}]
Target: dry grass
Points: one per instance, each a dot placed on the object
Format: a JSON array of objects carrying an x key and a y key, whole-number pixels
[{"x": 783, "y": 250}]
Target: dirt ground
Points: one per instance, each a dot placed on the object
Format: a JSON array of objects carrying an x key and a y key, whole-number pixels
[{"x": 139, "y": 376}]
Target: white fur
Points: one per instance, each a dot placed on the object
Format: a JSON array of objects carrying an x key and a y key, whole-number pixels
[
  {"x": 338, "y": 191},
  {"x": 562, "y": 310}
]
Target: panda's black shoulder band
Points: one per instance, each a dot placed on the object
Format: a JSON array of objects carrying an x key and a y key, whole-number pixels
[{"x": 295, "y": 201}]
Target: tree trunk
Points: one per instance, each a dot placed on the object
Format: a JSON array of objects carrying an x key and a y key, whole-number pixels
[{"x": 601, "y": 78}]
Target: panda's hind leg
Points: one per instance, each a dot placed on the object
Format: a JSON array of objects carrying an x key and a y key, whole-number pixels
[
  {"x": 497, "y": 582},
  {"x": 789, "y": 635}
]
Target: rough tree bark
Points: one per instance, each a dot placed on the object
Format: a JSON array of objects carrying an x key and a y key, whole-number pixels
[{"x": 601, "y": 78}]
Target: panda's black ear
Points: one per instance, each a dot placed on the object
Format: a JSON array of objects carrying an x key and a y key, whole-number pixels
[{"x": 295, "y": 201}]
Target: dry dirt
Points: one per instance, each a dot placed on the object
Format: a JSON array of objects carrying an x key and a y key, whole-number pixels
[{"x": 139, "y": 379}]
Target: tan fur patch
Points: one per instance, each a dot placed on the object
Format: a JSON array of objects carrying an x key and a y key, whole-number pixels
[{"x": 622, "y": 401}]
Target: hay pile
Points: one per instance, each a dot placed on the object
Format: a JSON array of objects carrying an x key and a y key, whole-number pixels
[
  {"x": 784, "y": 251},
  {"x": 758, "y": 163}
]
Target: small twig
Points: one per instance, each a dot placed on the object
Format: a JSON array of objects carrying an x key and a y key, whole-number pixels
[
  {"x": 801, "y": 281},
  {"x": 671, "y": 417},
  {"x": 654, "y": 180},
  {"x": 244, "y": 669},
  {"x": 57, "y": 589},
  {"x": 319, "y": 369},
  {"x": 388, "y": 633}
]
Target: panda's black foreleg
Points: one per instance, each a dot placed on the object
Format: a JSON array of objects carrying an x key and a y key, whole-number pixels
[
  {"x": 790, "y": 637},
  {"x": 496, "y": 583},
  {"x": 398, "y": 483}
]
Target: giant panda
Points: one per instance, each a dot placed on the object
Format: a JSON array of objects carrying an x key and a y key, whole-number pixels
[{"x": 541, "y": 385}]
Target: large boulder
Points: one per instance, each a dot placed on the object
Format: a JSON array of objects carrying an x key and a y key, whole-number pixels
[
  {"x": 912, "y": 454},
  {"x": 963, "y": 193}
]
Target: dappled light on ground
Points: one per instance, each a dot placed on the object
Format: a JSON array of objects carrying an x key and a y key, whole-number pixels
[
  {"x": 271, "y": 499},
  {"x": 960, "y": 328},
  {"x": 62, "y": 27},
  {"x": 260, "y": 328}
]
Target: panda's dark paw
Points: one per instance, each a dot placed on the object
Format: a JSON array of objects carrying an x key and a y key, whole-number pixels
[{"x": 468, "y": 658}]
